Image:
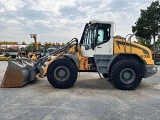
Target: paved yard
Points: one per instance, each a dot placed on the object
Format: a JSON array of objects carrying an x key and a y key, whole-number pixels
[{"x": 89, "y": 99}]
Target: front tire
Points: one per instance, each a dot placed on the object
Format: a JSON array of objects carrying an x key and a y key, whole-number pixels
[
  {"x": 62, "y": 73},
  {"x": 126, "y": 74}
]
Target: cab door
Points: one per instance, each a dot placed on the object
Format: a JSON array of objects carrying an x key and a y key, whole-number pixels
[
  {"x": 104, "y": 44},
  {"x": 88, "y": 40}
]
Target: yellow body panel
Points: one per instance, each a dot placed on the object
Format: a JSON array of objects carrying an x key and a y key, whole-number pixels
[
  {"x": 120, "y": 46},
  {"x": 82, "y": 60},
  {"x": 84, "y": 64}
]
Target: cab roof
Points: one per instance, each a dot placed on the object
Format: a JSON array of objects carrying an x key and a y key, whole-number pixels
[{"x": 105, "y": 22}]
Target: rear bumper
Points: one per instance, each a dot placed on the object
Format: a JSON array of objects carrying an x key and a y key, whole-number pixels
[{"x": 150, "y": 70}]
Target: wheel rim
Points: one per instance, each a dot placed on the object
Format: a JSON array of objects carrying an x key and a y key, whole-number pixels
[
  {"x": 61, "y": 73},
  {"x": 127, "y": 75}
]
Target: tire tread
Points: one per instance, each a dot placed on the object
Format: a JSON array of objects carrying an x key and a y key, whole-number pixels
[{"x": 119, "y": 63}]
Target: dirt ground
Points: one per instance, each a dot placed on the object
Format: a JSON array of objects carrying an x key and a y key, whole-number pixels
[{"x": 89, "y": 99}]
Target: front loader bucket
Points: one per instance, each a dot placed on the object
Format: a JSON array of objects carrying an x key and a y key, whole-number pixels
[{"x": 17, "y": 75}]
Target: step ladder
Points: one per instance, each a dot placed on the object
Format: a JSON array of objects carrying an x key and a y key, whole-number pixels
[{"x": 102, "y": 63}]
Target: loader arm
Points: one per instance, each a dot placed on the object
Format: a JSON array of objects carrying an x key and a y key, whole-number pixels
[{"x": 64, "y": 49}]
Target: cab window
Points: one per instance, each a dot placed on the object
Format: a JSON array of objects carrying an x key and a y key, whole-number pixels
[
  {"x": 103, "y": 33},
  {"x": 100, "y": 36}
]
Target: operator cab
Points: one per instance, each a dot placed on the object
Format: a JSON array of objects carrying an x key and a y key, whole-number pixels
[{"x": 97, "y": 38}]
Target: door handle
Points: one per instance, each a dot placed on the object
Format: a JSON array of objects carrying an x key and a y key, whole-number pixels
[{"x": 98, "y": 47}]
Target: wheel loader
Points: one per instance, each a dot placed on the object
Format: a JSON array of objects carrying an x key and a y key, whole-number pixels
[{"x": 123, "y": 62}]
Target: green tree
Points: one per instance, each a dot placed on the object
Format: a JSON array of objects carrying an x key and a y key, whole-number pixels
[
  {"x": 148, "y": 24},
  {"x": 144, "y": 41}
]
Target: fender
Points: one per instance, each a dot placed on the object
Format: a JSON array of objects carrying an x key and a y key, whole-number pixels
[
  {"x": 117, "y": 57},
  {"x": 73, "y": 57}
]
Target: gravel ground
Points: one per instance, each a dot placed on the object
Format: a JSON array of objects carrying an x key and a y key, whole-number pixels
[{"x": 89, "y": 99}]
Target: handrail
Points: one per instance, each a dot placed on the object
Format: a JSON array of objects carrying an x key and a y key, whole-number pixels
[{"x": 131, "y": 35}]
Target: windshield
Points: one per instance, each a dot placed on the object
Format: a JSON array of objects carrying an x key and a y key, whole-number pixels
[{"x": 89, "y": 35}]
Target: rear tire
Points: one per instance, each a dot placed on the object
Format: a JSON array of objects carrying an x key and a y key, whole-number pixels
[
  {"x": 126, "y": 74},
  {"x": 62, "y": 73}
]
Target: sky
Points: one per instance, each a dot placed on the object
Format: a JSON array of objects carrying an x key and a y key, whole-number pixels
[{"x": 62, "y": 20}]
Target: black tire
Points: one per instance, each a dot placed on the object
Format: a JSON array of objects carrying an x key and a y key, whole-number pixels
[
  {"x": 62, "y": 66},
  {"x": 126, "y": 74},
  {"x": 105, "y": 75}
]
